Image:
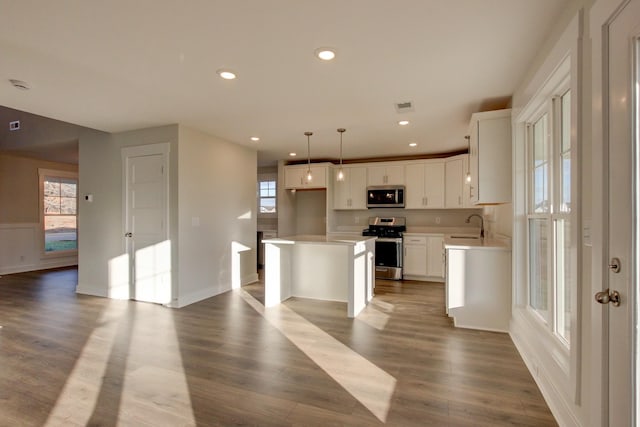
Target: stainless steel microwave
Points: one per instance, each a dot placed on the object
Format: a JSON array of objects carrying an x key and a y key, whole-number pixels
[{"x": 385, "y": 196}]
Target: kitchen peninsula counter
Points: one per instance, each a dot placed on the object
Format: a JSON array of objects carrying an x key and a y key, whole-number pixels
[{"x": 328, "y": 267}]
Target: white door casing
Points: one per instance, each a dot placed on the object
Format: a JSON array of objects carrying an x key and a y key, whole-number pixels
[{"x": 146, "y": 222}]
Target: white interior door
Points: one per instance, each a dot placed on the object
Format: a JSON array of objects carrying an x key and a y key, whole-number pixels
[
  {"x": 146, "y": 233},
  {"x": 623, "y": 32}
]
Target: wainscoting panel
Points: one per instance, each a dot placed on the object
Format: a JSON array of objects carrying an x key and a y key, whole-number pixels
[{"x": 20, "y": 250}]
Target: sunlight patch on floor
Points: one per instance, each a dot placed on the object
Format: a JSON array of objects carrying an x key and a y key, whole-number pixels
[
  {"x": 366, "y": 382},
  {"x": 373, "y": 317},
  {"x": 84, "y": 383},
  {"x": 155, "y": 390},
  {"x": 147, "y": 367}
]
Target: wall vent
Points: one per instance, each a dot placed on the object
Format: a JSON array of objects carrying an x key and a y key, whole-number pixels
[
  {"x": 14, "y": 125},
  {"x": 403, "y": 107}
]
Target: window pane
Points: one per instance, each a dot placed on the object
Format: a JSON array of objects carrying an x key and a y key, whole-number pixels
[
  {"x": 564, "y": 280},
  {"x": 268, "y": 205},
  {"x": 539, "y": 284},
  {"x": 51, "y": 205},
  {"x": 566, "y": 122},
  {"x": 68, "y": 205},
  {"x": 60, "y": 233},
  {"x": 565, "y": 155},
  {"x": 540, "y": 166},
  {"x": 68, "y": 188},
  {"x": 51, "y": 186}
]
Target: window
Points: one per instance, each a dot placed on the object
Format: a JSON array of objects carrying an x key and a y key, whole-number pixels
[
  {"x": 267, "y": 197},
  {"x": 59, "y": 201},
  {"x": 549, "y": 214}
]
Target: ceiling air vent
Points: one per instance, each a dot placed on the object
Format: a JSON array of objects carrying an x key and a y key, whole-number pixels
[
  {"x": 404, "y": 107},
  {"x": 14, "y": 125},
  {"x": 19, "y": 84}
]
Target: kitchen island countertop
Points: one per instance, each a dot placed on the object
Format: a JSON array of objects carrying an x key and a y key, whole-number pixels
[{"x": 333, "y": 238}]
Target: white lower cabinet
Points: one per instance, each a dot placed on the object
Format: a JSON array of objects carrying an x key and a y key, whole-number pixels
[{"x": 423, "y": 257}]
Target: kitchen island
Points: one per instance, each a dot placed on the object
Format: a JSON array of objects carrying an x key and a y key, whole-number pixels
[{"x": 333, "y": 267}]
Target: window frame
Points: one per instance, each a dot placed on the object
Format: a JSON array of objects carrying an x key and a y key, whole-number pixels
[
  {"x": 551, "y": 105},
  {"x": 267, "y": 178},
  {"x": 54, "y": 173}
]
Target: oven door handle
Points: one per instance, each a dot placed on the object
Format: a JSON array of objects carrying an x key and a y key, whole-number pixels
[{"x": 389, "y": 239}]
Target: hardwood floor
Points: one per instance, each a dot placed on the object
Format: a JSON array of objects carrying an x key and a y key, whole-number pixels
[{"x": 68, "y": 359}]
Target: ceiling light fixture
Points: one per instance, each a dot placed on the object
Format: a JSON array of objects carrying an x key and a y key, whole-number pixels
[
  {"x": 226, "y": 74},
  {"x": 468, "y": 138},
  {"x": 403, "y": 122},
  {"x": 292, "y": 154},
  {"x": 255, "y": 139},
  {"x": 309, "y": 176},
  {"x": 413, "y": 144},
  {"x": 325, "y": 53},
  {"x": 340, "y": 176},
  {"x": 19, "y": 84}
]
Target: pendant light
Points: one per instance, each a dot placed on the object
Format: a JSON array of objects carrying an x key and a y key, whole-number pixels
[
  {"x": 309, "y": 176},
  {"x": 340, "y": 176},
  {"x": 468, "y": 138}
]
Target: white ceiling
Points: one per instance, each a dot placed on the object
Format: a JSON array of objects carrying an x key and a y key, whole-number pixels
[{"x": 119, "y": 65}]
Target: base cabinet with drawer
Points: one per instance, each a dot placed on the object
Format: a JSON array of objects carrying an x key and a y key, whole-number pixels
[{"x": 423, "y": 257}]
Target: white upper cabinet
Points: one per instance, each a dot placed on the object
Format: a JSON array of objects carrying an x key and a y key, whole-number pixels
[
  {"x": 385, "y": 175},
  {"x": 352, "y": 192},
  {"x": 456, "y": 186},
  {"x": 490, "y": 157},
  {"x": 425, "y": 185},
  {"x": 296, "y": 176}
]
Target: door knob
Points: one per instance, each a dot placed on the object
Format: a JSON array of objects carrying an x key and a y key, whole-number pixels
[
  {"x": 129, "y": 234},
  {"x": 606, "y": 297}
]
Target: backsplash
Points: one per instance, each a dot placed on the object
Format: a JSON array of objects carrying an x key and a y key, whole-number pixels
[{"x": 415, "y": 218}]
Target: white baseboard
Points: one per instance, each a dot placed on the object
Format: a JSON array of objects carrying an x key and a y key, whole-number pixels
[
  {"x": 23, "y": 268},
  {"x": 90, "y": 290},
  {"x": 191, "y": 298},
  {"x": 556, "y": 400},
  {"x": 252, "y": 278}
]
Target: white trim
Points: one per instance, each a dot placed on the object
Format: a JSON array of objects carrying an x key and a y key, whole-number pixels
[
  {"x": 55, "y": 173},
  {"x": 162, "y": 148},
  {"x": 556, "y": 370},
  {"x": 555, "y": 398}
]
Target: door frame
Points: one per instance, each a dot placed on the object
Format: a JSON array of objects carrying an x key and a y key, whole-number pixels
[{"x": 126, "y": 153}]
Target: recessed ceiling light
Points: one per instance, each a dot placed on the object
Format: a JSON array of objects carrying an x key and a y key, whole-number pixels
[
  {"x": 292, "y": 154},
  {"x": 413, "y": 144},
  {"x": 325, "y": 53},
  {"x": 255, "y": 138},
  {"x": 226, "y": 74},
  {"x": 403, "y": 122}
]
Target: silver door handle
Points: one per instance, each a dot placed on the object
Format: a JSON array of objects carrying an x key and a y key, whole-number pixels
[
  {"x": 606, "y": 297},
  {"x": 129, "y": 234}
]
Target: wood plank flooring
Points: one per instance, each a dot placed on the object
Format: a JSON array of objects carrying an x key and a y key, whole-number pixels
[{"x": 68, "y": 359}]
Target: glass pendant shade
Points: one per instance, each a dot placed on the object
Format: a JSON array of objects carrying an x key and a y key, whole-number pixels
[
  {"x": 309, "y": 175},
  {"x": 340, "y": 175}
]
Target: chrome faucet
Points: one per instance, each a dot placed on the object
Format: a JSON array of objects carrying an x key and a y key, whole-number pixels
[{"x": 468, "y": 220}]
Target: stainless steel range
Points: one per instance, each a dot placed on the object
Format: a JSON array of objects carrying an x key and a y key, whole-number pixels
[{"x": 388, "y": 245}]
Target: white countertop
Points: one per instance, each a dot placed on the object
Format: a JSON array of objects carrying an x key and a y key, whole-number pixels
[
  {"x": 470, "y": 243},
  {"x": 333, "y": 239}
]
